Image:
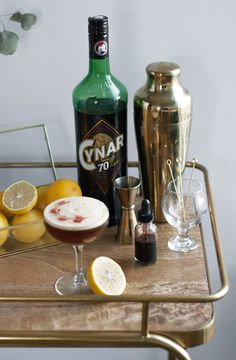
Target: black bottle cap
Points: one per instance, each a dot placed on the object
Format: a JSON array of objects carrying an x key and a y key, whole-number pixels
[
  {"x": 145, "y": 214},
  {"x": 98, "y": 25}
]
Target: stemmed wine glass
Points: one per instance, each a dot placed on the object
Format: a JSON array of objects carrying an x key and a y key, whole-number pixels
[
  {"x": 76, "y": 221},
  {"x": 183, "y": 206}
]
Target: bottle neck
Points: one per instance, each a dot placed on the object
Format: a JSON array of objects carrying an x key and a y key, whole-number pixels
[
  {"x": 99, "y": 67},
  {"x": 99, "y": 54}
]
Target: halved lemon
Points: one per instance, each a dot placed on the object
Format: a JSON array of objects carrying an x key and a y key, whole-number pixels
[
  {"x": 3, "y": 209},
  {"x": 20, "y": 197},
  {"x": 106, "y": 277}
]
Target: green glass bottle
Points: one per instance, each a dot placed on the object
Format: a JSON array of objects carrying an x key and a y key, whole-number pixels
[{"x": 100, "y": 106}]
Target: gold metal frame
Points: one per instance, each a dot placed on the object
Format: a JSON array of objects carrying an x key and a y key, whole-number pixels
[
  {"x": 43, "y": 126},
  {"x": 117, "y": 338}
]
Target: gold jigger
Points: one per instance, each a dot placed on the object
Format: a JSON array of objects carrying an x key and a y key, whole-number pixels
[{"x": 127, "y": 187}]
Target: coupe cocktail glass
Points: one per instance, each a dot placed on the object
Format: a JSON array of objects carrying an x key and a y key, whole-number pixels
[
  {"x": 183, "y": 206},
  {"x": 76, "y": 221}
]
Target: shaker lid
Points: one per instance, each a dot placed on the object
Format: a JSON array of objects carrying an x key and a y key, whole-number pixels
[{"x": 166, "y": 68}]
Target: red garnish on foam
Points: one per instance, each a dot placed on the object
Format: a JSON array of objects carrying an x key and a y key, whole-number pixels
[
  {"x": 62, "y": 218},
  {"x": 78, "y": 218},
  {"x": 63, "y": 202},
  {"x": 55, "y": 210}
]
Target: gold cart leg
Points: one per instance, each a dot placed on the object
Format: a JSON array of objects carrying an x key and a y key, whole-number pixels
[
  {"x": 171, "y": 356},
  {"x": 169, "y": 345}
]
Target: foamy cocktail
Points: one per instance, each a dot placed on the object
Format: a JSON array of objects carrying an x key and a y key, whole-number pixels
[{"x": 75, "y": 220}]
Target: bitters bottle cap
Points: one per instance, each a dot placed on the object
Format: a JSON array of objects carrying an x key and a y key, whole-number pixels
[{"x": 145, "y": 214}]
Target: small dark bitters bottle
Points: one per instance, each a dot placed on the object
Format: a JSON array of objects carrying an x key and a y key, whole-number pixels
[{"x": 145, "y": 236}]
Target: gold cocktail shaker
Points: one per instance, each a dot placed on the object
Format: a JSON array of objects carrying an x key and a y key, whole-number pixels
[{"x": 162, "y": 119}]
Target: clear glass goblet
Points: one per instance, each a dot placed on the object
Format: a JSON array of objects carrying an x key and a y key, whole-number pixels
[
  {"x": 183, "y": 205},
  {"x": 76, "y": 221}
]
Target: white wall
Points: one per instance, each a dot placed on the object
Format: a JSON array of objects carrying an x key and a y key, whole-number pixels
[{"x": 36, "y": 85}]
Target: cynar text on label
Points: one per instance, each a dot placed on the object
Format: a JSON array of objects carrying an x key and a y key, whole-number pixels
[{"x": 90, "y": 154}]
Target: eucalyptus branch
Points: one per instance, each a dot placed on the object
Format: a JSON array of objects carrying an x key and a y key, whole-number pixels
[
  {"x": 9, "y": 39},
  {"x": 2, "y": 15},
  {"x": 2, "y": 25}
]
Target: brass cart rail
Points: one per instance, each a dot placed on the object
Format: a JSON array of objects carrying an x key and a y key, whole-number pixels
[{"x": 173, "y": 342}]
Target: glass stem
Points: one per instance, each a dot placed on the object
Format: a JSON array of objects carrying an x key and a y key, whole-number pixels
[
  {"x": 79, "y": 276},
  {"x": 78, "y": 258},
  {"x": 183, "y": 234}
]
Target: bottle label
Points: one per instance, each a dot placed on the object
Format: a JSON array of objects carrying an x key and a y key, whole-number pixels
[
  {"x": 98, "y": 47},
  {"x": 101, "y": 151},
  {"x": 101, "y": 48}
]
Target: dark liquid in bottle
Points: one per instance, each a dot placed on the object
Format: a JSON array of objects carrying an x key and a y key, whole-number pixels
[
  {"x": 101, "y": 138},
  {"x": 146, "y": 249}
]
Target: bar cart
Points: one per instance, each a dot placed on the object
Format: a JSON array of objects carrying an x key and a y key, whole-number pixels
[{"x": 167, "y": 305}]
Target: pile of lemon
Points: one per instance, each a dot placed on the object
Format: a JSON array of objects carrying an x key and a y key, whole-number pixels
[
  {"x": 21, "y": 213},
  {"x": 22, "y": 205}
]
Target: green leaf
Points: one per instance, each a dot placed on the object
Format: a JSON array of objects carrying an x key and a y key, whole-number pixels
[
  {"x": 17, "y": 16},
  {"x": 8, "y": 42},
  {"x": 28, "y": 20},
  {"x": 1, "y": 41}
]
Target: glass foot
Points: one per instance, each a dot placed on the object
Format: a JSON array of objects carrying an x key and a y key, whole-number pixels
[
  {"x": 72, "y": 284},
  {"x": 182, "y": 244}
]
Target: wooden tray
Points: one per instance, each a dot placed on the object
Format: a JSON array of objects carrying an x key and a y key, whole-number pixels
[{"x": 168, "y": 304}]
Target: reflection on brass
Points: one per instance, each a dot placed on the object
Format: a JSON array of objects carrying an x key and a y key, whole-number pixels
[
  {"x": 162, "y": 116},
  {"x": 127, "y": 187},
  {"x": 98, "y": 338}
]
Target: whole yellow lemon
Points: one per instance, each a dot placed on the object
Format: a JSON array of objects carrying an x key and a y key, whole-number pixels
[
  {"x": 41, "y": 202},
  {"x": 30, "y": 232}
]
